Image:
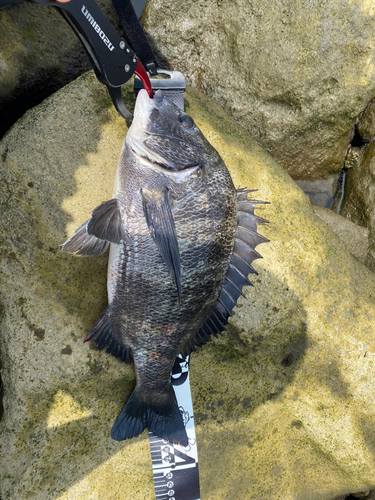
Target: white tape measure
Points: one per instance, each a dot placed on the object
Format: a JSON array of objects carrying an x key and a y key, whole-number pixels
[{"x": 175, "y": 467}]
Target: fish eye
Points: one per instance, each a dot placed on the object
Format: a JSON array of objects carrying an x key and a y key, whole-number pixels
[{"x": 186, "y": 121}]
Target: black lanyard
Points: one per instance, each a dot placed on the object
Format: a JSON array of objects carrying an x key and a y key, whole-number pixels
[{"x": 136, "y": 35}]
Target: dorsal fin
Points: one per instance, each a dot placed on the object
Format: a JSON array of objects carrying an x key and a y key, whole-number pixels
[{"x": 244, "y": 253}]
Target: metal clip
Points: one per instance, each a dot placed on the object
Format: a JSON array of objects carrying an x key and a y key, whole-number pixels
[{"x": 172, "y": 87}]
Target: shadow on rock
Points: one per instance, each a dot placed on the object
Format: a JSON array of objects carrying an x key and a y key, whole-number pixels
[{"x": 242, "y": 370}]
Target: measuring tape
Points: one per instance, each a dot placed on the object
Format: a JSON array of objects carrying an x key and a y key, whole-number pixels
[{"x": 175, "y": 467}]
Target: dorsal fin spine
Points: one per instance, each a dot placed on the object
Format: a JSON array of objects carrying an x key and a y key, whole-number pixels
[
  {"x": 255, "y": 233},
  {"x": 228, "y": 295},
  {"x": 236, "y": 287},
  {"x": 235, "y": 268},
  {"x": 218, "y": 316},
  {"x": 258, "y": 256},
  {"x": 259, "y": 220},
  {"x": 223, "y": 305},
  {"x": 252, "y": 270}
]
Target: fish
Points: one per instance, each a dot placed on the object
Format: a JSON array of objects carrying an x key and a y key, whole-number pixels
[{"x": 182, "y": 240}]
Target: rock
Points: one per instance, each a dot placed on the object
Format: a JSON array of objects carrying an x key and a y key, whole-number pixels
[
  {"x": 284, "y": 400},
  {"x": 320, "y": 192},
  {"x": 39, "y": 54},
  {"x": 296, "y": 75},
  {"x": 358, "y": 202},
  {"x": 353, "y": 157},
  {"x": 366, "y": 123},
  {"x": 354, "y": 237}
]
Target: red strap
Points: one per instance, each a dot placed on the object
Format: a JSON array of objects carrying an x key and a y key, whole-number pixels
[{"x": 140, "y": 71}]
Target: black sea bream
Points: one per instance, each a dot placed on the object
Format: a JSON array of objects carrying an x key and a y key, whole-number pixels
[{"x": 182, "y": 241}]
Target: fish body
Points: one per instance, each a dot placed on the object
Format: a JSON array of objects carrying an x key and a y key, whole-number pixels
[{"x": 172, "y": 226}]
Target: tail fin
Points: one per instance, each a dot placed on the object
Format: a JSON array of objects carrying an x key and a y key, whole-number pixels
[{"x": 164, "y": 420}]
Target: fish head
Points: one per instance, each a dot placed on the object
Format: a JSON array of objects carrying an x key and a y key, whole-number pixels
[{"x": 166, "y": 138}]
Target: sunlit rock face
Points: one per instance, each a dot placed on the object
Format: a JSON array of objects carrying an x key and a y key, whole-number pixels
[
  {"x": 295, "y": 74},
  {"x": 283, "y": 401},
  {"x": 354, "y": 237}
]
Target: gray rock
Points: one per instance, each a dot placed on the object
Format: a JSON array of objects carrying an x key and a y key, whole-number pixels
[
  {"x": 295, "y": 74},
  {"x": 359, "y": 195},
  {"x": 283, "y": 401},
  {"x": 366, "y": 123},
  {"x": 320, "y": 192},
  {"x": 354, "y": 237}
]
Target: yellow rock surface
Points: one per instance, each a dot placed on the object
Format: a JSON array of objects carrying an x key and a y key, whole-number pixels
[{"x": 284, "y": 405}]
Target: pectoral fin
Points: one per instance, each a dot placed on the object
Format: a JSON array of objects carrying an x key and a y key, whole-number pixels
[
  {"x": 106, "y": 223},
  {"x": 161, "y": 225}
]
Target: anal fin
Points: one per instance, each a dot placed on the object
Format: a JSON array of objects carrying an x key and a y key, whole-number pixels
[
  {"x": 103, "y": 335},
  {"x": 161, "y": 225}
]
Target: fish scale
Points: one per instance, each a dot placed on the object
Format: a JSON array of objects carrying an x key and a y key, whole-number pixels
[
  {"x": 182, "y": 243},
  {"x": 147, "y": 276}
]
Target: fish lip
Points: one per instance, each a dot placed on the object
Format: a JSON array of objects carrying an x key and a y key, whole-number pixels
[
  {"x": 142, "y": 112},
  {"x": 144, "y": 102},
  {"x": 137, "y": 134}
]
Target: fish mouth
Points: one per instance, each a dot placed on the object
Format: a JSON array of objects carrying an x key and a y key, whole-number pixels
[
  {"x": 146, "y": 155},
  {"x": 161, "y": 168},
  {"x": 142, "y": 152}
]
